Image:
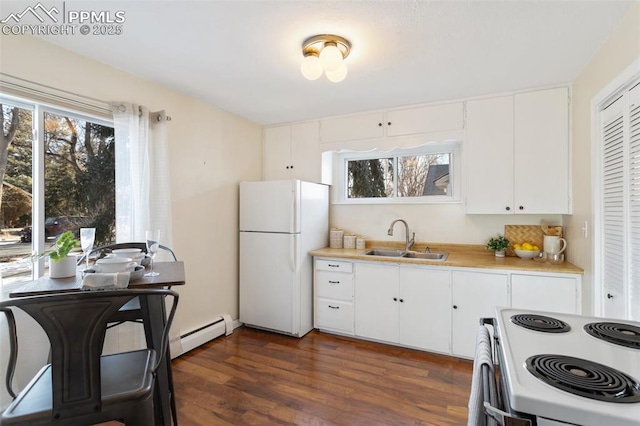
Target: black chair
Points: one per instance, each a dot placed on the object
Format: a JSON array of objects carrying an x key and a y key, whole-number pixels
[
  {"x": 81, "y": 386},
  {"x": 132, "y": 311}
]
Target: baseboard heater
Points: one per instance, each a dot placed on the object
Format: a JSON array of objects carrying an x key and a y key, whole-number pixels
[{"x": 192, "y": 339}]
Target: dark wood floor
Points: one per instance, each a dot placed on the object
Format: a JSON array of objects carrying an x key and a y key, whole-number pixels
[{"x": 254, "y": 377}]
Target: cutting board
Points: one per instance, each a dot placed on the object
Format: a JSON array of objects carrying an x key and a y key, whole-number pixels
[{"x": 518, "y": 234}]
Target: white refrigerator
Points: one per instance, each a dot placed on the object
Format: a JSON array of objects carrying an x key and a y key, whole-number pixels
[{"x": 280, "y": 222}]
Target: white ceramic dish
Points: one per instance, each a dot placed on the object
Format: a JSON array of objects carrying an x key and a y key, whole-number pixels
[
  {"x": 127, "y": 252},
  {"x": 115, "y": 264},
  {"x": 137, "y": 273},
  {"x": 527, "y": 254}
]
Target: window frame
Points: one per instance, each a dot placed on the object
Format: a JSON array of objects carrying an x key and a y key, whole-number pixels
[
  {"x": 453, "y": 148},
  {"x": 39, "y": 109}
]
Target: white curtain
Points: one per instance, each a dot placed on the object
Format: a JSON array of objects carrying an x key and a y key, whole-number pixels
[{"x": 143, "y": 199}]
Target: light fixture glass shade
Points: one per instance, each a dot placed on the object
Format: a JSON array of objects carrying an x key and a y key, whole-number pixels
[
  {"x": 330, "y": 57},
  {"x": 310, "y": 67},
  {"x": 338, "y": 75}
]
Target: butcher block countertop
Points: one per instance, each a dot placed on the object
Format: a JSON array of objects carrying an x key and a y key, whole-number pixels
[{"x": 460, "y": 255}]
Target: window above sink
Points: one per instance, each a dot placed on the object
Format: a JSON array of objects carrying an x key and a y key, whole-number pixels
[{"x": 426, "y": 174}]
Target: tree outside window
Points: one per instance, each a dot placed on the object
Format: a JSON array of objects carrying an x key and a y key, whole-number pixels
[{"x": 79, "y": 181}]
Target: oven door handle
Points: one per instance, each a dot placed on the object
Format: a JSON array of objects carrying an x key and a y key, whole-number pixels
[{"x": 504, "y": 419}]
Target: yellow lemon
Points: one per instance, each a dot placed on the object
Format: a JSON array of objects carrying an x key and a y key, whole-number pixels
[
  {"x": 517, "y": 247},
  {"x": 527, "y": 246},
  {"x": 536, "y": 248}
]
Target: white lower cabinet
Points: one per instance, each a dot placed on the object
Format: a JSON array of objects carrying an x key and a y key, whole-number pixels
[
  {"x": 474, "y": 295},
  {"x": 546, "y": 293},
  {"x": 425, "y": 310},
  {"x": 433, "y": 308},
  {"x": 403, "y": 305},
  {"x": 376, "y": 312},
  {"x": 333, "y": 291}
]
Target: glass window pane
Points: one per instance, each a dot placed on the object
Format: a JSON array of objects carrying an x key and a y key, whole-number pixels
[
  {"x": 371, "y": 178},
  {"x": 16, "y": 202},
  {"x": 424, "y": 175},
  {"x": 79, "y": 178}
]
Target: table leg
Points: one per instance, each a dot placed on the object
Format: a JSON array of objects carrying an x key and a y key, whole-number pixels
[{"x": 154, "y": 317}]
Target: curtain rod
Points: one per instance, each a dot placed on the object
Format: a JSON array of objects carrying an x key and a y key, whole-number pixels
[{"x": 74, "y": 99}]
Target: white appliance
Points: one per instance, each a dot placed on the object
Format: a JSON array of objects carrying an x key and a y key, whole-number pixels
[
  {"x": 280, "y": 222},
  {"x": 559, "y": 369}
]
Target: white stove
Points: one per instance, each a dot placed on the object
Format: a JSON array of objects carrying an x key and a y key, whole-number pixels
[{"x": 556, "y": 368}]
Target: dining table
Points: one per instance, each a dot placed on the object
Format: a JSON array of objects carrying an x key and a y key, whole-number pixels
[{"x": 151, "y": 311}]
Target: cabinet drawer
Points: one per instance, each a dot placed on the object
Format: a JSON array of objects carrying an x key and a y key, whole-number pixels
[
  {"x": 333, "y": 265},
  {"x": 334, "y": 285},
  {"x": 334, "y": 315}
]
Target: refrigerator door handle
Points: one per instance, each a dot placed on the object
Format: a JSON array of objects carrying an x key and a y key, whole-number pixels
[
  {"x": 294, "y": 253},
  {"x": 294, "y": 213}
]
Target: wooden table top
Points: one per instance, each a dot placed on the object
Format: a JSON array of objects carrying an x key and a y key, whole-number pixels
[{"x": 171, "y": 273}]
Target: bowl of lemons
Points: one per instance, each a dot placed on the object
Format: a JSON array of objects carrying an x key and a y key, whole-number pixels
[{"x": 526, "y": 250}]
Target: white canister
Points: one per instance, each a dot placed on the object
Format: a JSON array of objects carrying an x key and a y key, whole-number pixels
[
  {"x": 335, "y": 238},
  {"x": 361, "y": 243},
  {"x": 349, "y": 241}
]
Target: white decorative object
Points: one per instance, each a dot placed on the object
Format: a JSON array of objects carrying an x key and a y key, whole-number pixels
[
  {"x": 349, "y": 241},
  {"x": 361, "y": 243},
  {"x": 499, "y": 253},
  {"x": 335, "y": 238},
  {"x": 63, "y": 268}
]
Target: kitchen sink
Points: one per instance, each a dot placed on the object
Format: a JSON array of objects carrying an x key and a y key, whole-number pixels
[
  {"x": 426, "y": 256},
  {"x": 407, "y": 254},
  {"x": 385, "y": 253}
]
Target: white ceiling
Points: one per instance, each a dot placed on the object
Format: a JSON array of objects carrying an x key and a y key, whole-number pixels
[{"x": 244, "y": 56}]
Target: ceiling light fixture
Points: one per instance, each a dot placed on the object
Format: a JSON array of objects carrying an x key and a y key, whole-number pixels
[{"x": 325, "y": 53}]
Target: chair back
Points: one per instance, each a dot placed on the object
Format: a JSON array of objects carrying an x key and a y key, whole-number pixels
[
  {"x": 75, "y": 324},
  {"x": 110, "y": 247}
]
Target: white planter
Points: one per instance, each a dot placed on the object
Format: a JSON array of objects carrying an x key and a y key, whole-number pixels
[
  {"x": 63, "y": 268},
  {"x": 499, "y": 253}
]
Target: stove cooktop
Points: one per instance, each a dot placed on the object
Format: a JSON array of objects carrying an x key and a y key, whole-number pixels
[{"x": 554, "y": 367}]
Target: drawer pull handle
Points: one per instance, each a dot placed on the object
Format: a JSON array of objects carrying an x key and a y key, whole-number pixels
[
  {"x": 333, "y": 266},
  {"x": 334, "y": 307},
  {"x": 334, "y": 282}
]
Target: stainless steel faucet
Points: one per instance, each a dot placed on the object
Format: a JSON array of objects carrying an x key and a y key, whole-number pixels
[{"x": 409, "y": 242}]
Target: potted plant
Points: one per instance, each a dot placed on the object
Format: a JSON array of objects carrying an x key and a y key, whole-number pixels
[
  {"x": 61, "y": 263},
  {"x": 498, "y": 244}
]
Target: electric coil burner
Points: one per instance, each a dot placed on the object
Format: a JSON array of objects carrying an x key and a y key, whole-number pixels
[
  {"x": 620, "y": 334},
  {"x": 555, "y": 369},
  {"x": 540, "y": 323},
  {"x": 585, "y": 378}
]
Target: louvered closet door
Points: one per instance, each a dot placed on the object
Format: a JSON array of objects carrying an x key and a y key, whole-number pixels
[
  {"x": 634, "y": 203},
  {"x": 613, "y": 209}
]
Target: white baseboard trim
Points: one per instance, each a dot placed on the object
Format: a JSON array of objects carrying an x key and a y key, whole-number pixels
[{"x": 223, "y": 325}]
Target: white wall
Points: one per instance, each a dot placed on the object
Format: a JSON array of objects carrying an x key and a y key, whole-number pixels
[
  {"x": 619, "y": 51},
  {"x": 211, "y": 151},
  {"x": 437, "y": 223}
]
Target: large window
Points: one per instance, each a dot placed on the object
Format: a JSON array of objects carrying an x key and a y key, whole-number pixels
[
  {"x": 425, "y": 174},
  {"x": 66, "y": 157}
]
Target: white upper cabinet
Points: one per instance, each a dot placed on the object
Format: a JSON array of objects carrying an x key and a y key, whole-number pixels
[
  {"x": 353, "y": 127},
  {"x": 428, "y": 119},
  {"x": 399, "y": 122},
  {"x": 488, "y": 151},
  {"x": 292, "y": 152},
  {"x": 517, "y": 154},
  {"x": 542, "y": 151}
]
